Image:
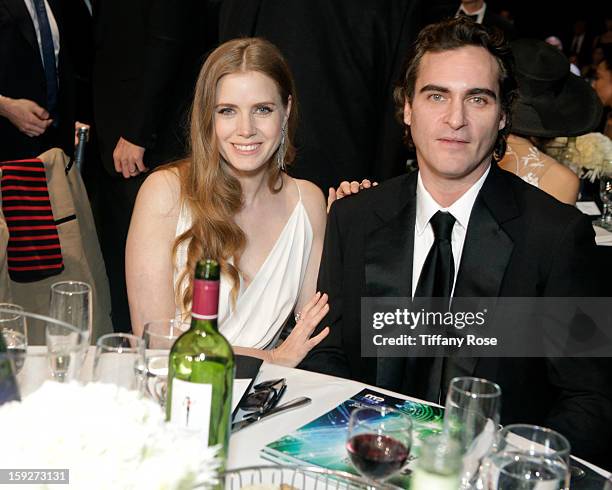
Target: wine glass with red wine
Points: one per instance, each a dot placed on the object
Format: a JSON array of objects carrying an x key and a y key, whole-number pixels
[{"x": 379, "y": 441}]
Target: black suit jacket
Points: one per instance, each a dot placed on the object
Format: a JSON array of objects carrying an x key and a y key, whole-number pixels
[
  {"x": 22, "y": 76},
  {"x": 147, "y": 56},
  {"x": 345, "y": 56},
  {"x": 520, "y": 242}
]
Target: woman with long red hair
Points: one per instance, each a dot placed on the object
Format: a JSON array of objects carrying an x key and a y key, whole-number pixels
[{"x": 232, "y": 200}]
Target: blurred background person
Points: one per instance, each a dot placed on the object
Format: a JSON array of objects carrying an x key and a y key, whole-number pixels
[
  {"x": 345, "y": 56},
  {"x": 147, "y": 56},
  {"x": 603, "y": 86},
  {"x": 551, "y": 102},
  {"x": 37, "y": 94},
  {"x": 556, "y": 42},
  {"x": 481, "y": 13},
  {"x": 579, "y": 43}
]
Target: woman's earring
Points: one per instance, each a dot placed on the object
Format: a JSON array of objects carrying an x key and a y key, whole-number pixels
[{"x": 282, "y": 149}]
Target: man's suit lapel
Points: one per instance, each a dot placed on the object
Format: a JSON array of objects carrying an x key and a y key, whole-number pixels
[
  {"x": 388, "y": 269},
  {"x": 19, "y": 12},
  {"x": 388, "y": 252},
  {"x": 487, "y": 248}
]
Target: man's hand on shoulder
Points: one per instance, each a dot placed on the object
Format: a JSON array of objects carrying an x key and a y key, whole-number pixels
[{"x": 27, "y": 116}]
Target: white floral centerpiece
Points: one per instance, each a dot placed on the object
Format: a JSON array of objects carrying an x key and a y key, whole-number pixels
[
  {"x": 108, "y": 437},
  {"x": 593, "y": 156}
]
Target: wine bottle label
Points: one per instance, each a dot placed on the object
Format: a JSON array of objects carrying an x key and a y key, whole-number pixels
[
  {"x": 205, "y": 304},
  {"x": 190, "y": 405}
]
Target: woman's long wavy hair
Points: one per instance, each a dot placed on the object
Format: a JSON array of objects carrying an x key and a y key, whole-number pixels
[{"x": 212, "y": 195}]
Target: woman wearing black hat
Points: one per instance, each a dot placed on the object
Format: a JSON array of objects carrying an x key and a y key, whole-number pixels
[{"x": 552, "y": 102}]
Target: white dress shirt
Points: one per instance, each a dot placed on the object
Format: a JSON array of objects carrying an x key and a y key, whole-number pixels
[
  {"x": 480, "y": 12},
  {"x": 423, "y": 232},
  {"x": 52, "y": 23}
]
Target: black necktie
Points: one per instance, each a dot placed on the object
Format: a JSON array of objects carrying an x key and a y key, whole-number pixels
[
  {"x": 438, "y": 273},
  {"x": 48, "y": 52},
  {"x": 436, "y": 281}
]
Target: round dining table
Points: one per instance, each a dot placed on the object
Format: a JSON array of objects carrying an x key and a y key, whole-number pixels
[{"x": 326, "y": 392}]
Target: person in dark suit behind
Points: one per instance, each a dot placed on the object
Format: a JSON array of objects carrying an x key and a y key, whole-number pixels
[
  {"x": 36, "y": 98},
  {"x": 479, "y": 12},
  {"x": 345, "y": 55},
  {"x": 147, "y": 55},
  {"x": 495, "y": 236}
]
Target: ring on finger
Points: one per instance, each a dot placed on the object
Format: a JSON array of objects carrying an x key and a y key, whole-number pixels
[{"x": 298, "y": 316}]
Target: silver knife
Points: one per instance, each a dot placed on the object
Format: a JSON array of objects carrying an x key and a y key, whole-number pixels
[{"x": 290, "y": 405}]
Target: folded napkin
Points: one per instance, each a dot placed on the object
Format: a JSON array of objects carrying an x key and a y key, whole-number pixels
[{"x": 602, "y": 236}]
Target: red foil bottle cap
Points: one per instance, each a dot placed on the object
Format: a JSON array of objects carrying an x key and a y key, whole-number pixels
[{"x": 205, "y": 303}]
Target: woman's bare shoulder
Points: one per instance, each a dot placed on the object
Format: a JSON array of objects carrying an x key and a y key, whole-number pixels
[
  {"x": 161, "y": 190},
  {"x": 314, "y": 202}
]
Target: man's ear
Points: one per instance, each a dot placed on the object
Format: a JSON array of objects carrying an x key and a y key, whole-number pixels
[
  {"x": 407, "y": 112},
  {"x": 502, "y": 121}
]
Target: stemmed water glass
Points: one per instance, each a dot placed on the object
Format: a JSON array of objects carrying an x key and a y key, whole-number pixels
[
  {"x": 71, "y": 303},
  {"x": 472, "y": 417},
  {"x": 379, "y": 441},
  {"x": 605, "y": 192},
  {"x": 14, "y": 327}
]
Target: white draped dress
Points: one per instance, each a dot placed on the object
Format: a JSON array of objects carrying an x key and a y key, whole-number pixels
[{"x": 263, "y": 307}]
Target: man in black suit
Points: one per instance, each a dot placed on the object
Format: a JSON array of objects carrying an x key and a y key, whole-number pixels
[
  {"x": 147, "y": 56},
  {"x": 479, "y": 12},
  {"x": 471, "y": 229},
  {"x": 36, "y": 98},
  {"x": 344, "y": 55}
]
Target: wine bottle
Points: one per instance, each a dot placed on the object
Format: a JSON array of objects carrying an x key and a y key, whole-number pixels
[
  {"x": 201, "y": 366},
  {"x": 9, "y": 390}
]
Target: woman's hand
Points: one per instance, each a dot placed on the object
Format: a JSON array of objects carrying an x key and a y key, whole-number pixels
[
  {"x": 347, "y": 188},
  {"x": 295, "y": 347}
]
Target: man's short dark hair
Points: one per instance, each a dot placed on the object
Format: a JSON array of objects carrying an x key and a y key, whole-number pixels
[{"x": 454, "y": 34}]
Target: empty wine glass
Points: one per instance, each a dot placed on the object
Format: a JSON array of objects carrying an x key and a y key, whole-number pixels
[
  {"x": 159, "y": 337},
  {"x": 119, "y": 360},
  {"x": 14, "y": 327},
  {"x": 605, "y": 192},
  {"x": 71, "y": 302},
  {"x": 525, "y": 471},
  {"x": 379, "y": 441},
  {"x": 472, "y": 417}
]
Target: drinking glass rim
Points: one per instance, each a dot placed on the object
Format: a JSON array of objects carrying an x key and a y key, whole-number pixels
[
  {"x": 385, "y": 411},
  {"x": 139, "y": 347},
  {"x": 165, "y": 320},
  {"x": 47, "y": 319},
  {"x": 472, "y": 394},
  {"x": 12, "y": 309},
  {"x": 86, "y": 287},
  {"x": 539, "y": 428}
]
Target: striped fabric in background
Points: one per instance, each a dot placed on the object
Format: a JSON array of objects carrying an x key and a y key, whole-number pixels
[{"x": 34, "y": 250}]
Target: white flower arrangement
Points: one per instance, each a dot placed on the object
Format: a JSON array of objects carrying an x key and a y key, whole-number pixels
[
  {"x": 590, "y": 159},
  {"x": 595, "y": 151},
  {"x": 108, "y": 437}
]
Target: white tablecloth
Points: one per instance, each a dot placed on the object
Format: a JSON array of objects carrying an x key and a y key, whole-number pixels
[{"x": 325, "y": 391}]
